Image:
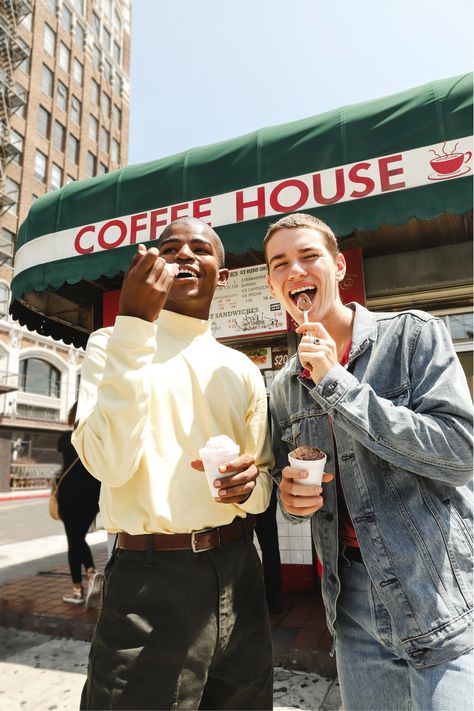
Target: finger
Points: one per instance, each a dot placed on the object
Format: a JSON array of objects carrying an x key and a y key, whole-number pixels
[
  {"x": 197, "y": 465},
  {"x": 235, "y": 496},
  {"x": 301, "y": 512},
  {"x": 238, "y": 478},
  {"x": 244, "y": 461},
  {"x": 301, "y": 502}
]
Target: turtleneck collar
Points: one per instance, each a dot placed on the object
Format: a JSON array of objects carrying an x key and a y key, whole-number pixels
[{"x": 186, "y": 326}]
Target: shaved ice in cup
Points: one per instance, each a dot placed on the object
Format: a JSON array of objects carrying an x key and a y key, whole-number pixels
[
  {"x": 216, "y": 452},
  {"x": 311, "y": 460}
]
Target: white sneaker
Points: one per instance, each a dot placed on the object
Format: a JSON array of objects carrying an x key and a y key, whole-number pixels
[
  {"x": 76, "y": 597},
  {"x": 94, "y": 590}
]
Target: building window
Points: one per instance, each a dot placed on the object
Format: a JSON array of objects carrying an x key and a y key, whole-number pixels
[
  {"x": 91, "y": 165},
  {"x": 96, "y": 23},
  {"x": 77, "y": 71},
  {"x": 93, "y": 128},
  {"x": 12, "y": 189},
  {"x": 96, "y": 56},
  {"x": 460, "y": 326},
  {"x": 73, "y": 149},
  {"x": 103, "y": 169},
  {"x": 56, "y": 177},
  {"x": 104, "y": 139},
  {"x": 17, "y": 140},
  {"x": 64, "y": 57},
  {"x": 105, "y": 104},
  {"x": 47, "y": 80},
  {"x": 6, "y": 247},
  {"x": 78, "y": 5},
  {"x": 39, "y": 377},
  {"x": 76, "y": 109},
  {"x": 4, "y": 295},
  {"x": 44, "y": 122},
  {"x": 66, "y": 18},
  {"x": 52, "y": 6},
  {"x": 117, "y": 22},
  {"x": 61, "y": 95},
  {"x": 118, "y": 83},
  {"x": 115, "y": 151},
  {"x": 69, "y": 179},
  {"x": 95, "y": 92},
  {"x": 116, "y": 117},
  {"x": 59, "y": 136},
  {"x": 41, "y": 162},
  {"x": 27, "y": 22},
  {"x": 107, "y": 71},
  {"x": 117, "y": 52},
  {"x": 106, "y": 39},
  {"x": 79, "y": 36},
  {"x": 49, "y": 42}
]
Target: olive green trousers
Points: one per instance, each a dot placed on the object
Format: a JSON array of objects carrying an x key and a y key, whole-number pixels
[{"x": 182, "y": 630}]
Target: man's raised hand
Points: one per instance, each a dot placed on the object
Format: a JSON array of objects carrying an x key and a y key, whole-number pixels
[{"x": 146, "y": 285}]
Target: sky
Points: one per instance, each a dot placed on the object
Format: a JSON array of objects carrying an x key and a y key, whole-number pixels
[{"x": 204, "y": 71}]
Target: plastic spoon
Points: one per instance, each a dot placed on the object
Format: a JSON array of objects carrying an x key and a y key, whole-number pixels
[{"x": 304, "y": 305}]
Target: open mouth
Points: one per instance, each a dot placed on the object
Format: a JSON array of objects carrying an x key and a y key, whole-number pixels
[
  {"x": 310, "y": 292},
  {"x": 185, "y": 273}
]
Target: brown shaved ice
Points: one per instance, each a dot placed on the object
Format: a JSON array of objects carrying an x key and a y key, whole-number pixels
[{"x": 307, "y": 454}]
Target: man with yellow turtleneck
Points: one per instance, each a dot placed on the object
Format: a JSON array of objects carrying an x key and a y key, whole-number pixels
[{"x": 183, "y": 622}]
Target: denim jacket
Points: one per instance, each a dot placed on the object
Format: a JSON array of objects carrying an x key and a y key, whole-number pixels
[{"x": 401, "y": 415}]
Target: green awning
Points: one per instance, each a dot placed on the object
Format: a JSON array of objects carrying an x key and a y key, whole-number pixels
[{"x": 356, "y": 168}]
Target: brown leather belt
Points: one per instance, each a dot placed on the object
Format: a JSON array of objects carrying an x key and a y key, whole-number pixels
[{"x": 197, "y": 541}]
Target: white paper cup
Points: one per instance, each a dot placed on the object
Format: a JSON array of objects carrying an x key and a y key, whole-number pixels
[
  {"x": 213, "y": 459},
  {"x": 314, "y": 467}
]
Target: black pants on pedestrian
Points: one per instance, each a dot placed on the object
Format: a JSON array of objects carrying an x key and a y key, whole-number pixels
[
  {"x": 77, "y": 518},
  {"x": 266, "y": 530},
  {"x": 182, "y": 630}
]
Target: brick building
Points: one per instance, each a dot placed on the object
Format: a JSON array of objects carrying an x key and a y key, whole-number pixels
[{"x": 64, "y": 116}]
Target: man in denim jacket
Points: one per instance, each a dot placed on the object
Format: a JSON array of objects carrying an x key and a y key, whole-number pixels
[{"x": 384, "y": 396}]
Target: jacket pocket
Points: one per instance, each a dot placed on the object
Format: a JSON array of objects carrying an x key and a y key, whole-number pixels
[
  {"x": 290, "y": 433},
  {"x": 465, "y": 531}
]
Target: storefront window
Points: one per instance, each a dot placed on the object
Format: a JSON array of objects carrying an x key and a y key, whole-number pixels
[{"x": 460, "y": 327}]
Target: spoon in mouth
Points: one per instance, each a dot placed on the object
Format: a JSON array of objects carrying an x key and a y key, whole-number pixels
[{"x": 304, "y": 305}]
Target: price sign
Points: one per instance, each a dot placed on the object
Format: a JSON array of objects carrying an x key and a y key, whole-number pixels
[
  {"x": 245, "y": 306},
  {"x": 279, "y": 357}
]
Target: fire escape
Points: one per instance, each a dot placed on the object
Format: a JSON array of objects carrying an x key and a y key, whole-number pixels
[{"x": 13, "y": 51}]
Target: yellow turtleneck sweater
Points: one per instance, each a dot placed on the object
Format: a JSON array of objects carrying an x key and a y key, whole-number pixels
[{"x": 151, "y": 396}]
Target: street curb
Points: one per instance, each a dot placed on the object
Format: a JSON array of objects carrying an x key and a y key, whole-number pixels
[
  {"x": 17, "y": 496},
  {"x": 55, "y": 626}
]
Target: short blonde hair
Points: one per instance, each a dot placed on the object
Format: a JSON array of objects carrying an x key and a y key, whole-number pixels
[{"x": 301, "y": 219}]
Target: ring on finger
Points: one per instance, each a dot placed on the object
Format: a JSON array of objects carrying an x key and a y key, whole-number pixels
[{"x": 315, "y": 340}]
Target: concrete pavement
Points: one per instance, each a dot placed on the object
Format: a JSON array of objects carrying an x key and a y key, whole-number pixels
[{"x": 43, "y": 673}]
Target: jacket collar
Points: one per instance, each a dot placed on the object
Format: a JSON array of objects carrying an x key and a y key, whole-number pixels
[{"x": 364, "y": 332}]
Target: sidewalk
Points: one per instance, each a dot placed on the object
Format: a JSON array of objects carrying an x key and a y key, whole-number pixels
[{"x": 34, "y": 603}]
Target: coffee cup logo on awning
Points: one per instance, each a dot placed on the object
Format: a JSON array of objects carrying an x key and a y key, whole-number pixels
[{"x": 449, "y": 164}]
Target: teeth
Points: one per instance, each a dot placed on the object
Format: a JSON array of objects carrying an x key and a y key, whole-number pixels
[
  {"x": 302, "y": 288},
  {"x": 186, "y": 272}
]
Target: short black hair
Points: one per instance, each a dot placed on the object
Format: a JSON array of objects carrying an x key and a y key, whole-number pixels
[{"x": 194, "y": 221}]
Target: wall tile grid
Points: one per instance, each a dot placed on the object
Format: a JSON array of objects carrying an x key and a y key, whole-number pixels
[{"x": 294, "y": 541}]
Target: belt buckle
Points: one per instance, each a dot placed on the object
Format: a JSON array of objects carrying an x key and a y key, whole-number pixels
[{"x": 204, "y": 530}]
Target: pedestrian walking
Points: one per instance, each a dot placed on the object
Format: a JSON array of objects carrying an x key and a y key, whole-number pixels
[
  {"x": 78, "y": 506},
  {"x": 183, "y": 624},
  {"x": 383, "y": 395}
]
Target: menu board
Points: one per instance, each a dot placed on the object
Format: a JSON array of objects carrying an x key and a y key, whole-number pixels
[{"x": 245, "y": 306}]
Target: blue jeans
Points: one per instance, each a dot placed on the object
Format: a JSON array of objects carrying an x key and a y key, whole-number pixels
[{"x": 374, "y": 671}]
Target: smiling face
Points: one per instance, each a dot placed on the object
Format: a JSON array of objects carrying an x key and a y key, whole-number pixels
[
  {"x": 300, "y": 262},
  {"x": 193, "y": 247}
]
